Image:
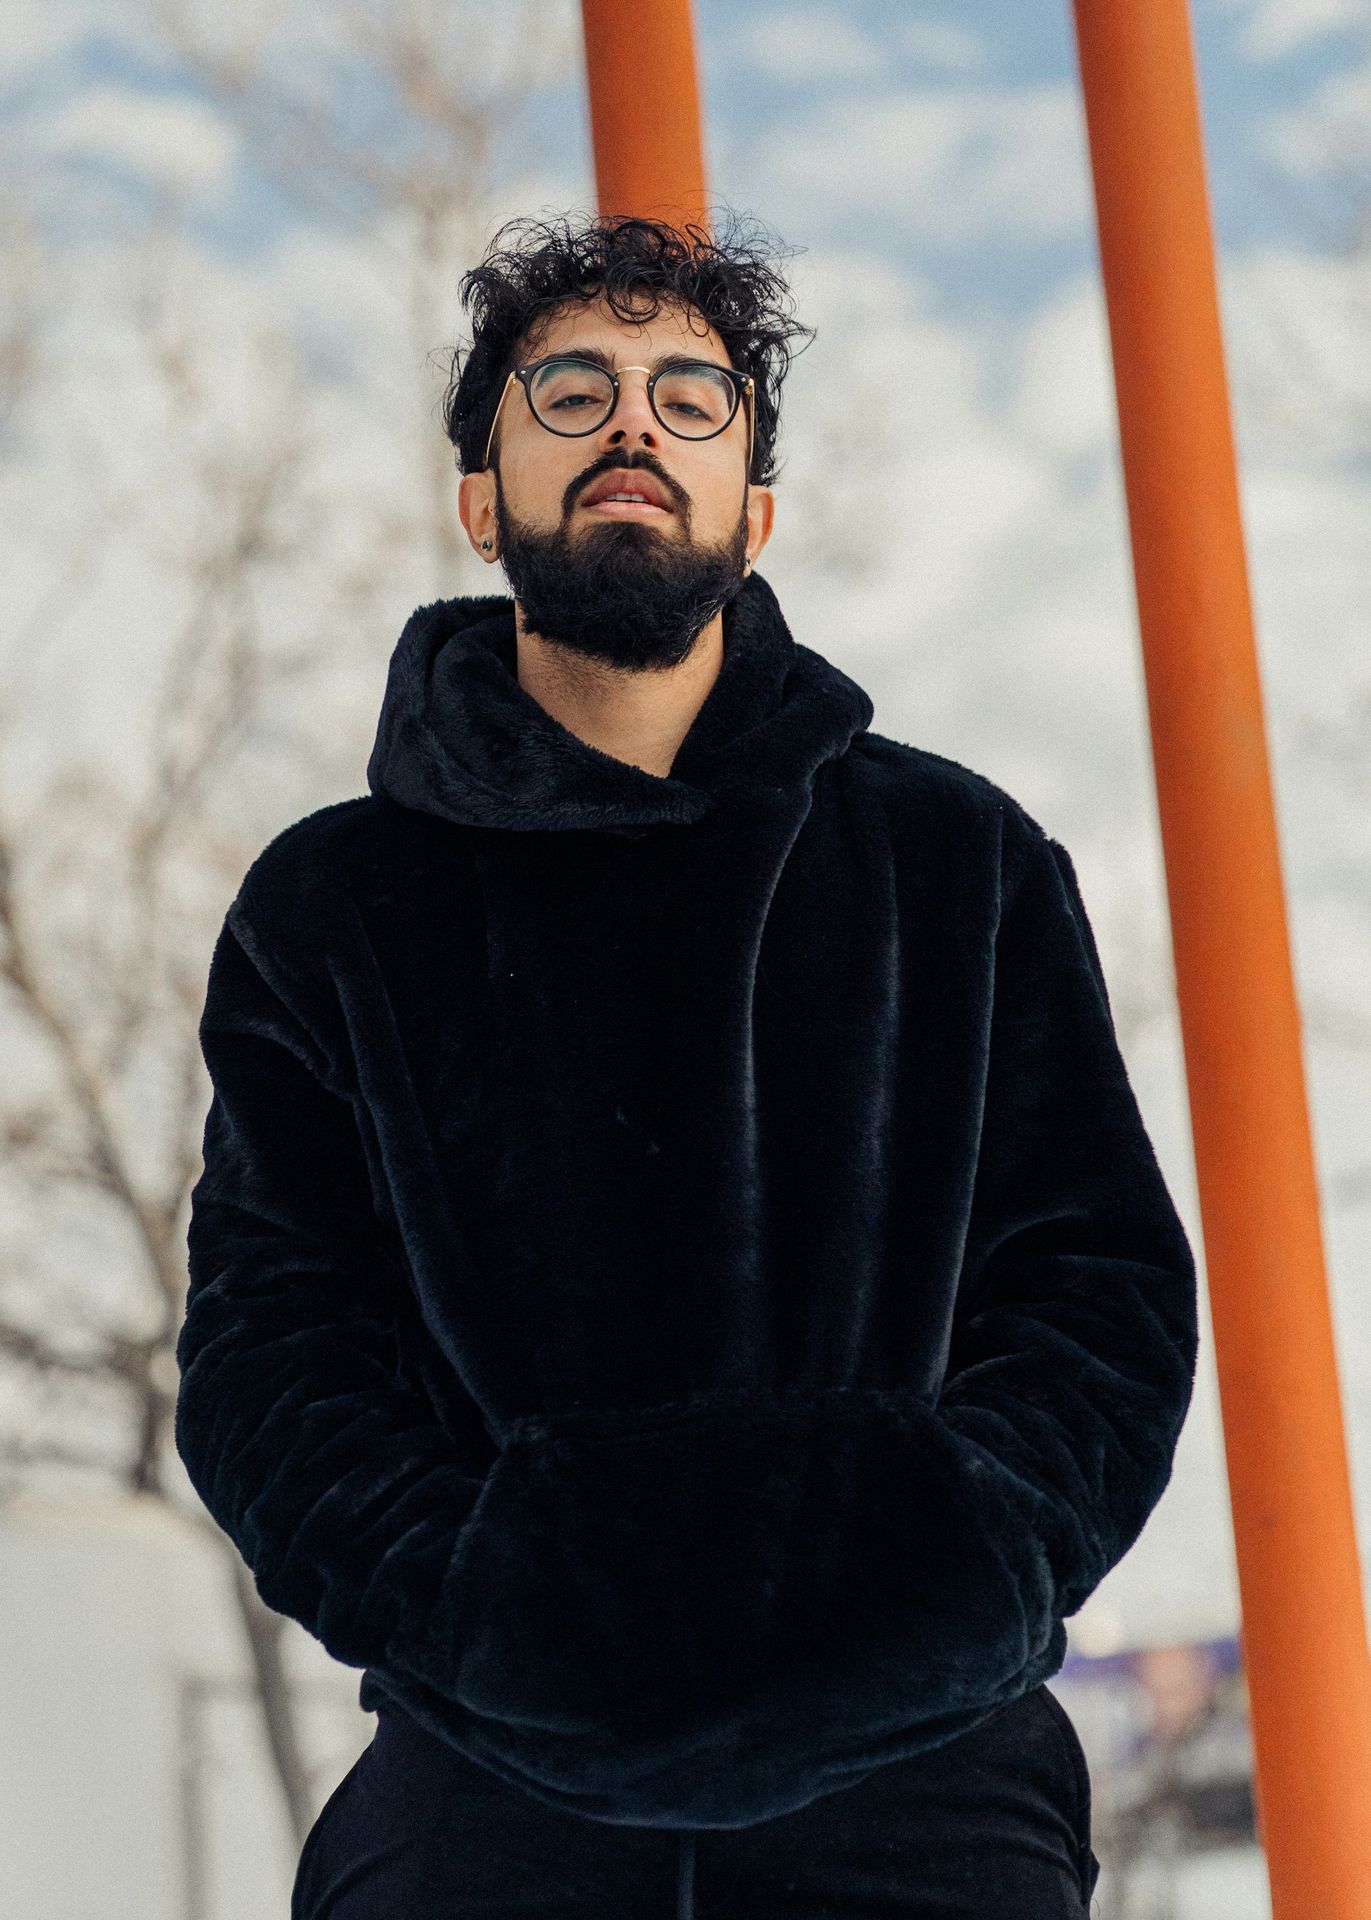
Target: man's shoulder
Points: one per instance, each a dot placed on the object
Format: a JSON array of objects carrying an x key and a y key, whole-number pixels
[
  {"x": 922, "y": 789},
  {"x": 311, "y": 868}
]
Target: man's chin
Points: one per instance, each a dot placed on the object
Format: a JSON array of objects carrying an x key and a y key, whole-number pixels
[{"x": 610, "y": 530}]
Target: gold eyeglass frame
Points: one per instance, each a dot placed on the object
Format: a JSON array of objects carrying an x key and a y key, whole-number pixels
[{"x": 743, "y": 384}]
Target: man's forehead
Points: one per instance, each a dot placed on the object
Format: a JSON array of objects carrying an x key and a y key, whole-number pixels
[{"x": 595, "y": 322}]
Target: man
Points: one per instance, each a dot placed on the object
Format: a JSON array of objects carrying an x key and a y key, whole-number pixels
[{"x": 681, "y": 1290}]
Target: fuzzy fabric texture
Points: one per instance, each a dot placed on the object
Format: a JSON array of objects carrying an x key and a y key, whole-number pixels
[{"x": 681, "y": 1291}]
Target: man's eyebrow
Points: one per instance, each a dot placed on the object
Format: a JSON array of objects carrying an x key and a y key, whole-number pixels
[{"x": 602, "y": 359}]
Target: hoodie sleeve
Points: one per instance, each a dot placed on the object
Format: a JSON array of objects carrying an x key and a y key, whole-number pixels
[
  {"x": 1075, "y": 1338},
  {"x": 326, "y": 1465}
]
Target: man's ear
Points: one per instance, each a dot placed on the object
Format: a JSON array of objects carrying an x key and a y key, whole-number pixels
[
  {"x": 476, "y": 507},
  {"x": 761, "y": 512}
]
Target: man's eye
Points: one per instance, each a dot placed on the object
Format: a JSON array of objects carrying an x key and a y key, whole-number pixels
[{"x": 564, "y": 401}]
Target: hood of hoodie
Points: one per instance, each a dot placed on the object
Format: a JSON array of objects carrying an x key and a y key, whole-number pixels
[{"x": 459, "y": 736}]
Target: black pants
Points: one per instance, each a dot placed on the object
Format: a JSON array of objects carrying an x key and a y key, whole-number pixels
[{"x": 994, "y": 1825}]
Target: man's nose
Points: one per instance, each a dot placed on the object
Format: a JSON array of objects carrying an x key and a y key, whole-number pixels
[{"x": 632, "y": 419}]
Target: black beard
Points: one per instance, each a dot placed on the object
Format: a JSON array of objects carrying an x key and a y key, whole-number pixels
[{"x": 620, "y": 591}]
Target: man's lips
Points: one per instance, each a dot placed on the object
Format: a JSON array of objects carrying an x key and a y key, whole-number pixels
[{"x": 623, "y": 481}]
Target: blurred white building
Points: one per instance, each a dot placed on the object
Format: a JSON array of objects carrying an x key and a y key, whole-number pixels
[{"x": 133, "y": 1773}]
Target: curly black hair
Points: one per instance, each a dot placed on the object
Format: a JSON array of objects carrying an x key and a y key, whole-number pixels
[{"x": 534, "y": 267}]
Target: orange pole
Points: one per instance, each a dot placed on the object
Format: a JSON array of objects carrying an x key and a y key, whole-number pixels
[
  {"x": 1304, "y": 1627},
  {"x": 645, "y": 108}
]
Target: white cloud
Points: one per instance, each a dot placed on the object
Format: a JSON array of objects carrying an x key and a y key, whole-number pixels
[
  {"x": 1296, "y": 326},
  {"x": 798, "y": 44},
  {"x": 1064, "y": 403},
  {"x": 37, "y": 31},
  {"x": 1274, "y": 28},
  {"x": 795, "y": 44},
  {"x": 955, "y": 163},
  {"x": 34, "y": 31},
  {"x": 179, "y": 142},
  {"x": 1330, "y": 133},
  {"x": 939, "y": 43}
]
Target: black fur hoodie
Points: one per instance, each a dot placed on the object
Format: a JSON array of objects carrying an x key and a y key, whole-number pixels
[{"x": 680, "y": 1288}]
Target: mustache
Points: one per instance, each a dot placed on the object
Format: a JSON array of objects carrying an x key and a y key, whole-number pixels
[{"x": 615, "y": 462}]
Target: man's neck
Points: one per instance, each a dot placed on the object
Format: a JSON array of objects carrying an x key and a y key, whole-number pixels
[{"x": 640, "y": 717}]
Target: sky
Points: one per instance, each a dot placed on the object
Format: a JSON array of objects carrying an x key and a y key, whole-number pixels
[{"x": 970, "y": 565}]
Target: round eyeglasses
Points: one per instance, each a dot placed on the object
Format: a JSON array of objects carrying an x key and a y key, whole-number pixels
[{"x": 694, "y": 399}]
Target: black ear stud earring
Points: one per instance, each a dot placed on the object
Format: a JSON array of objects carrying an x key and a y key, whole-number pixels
[{"x": 485, "y": 543}]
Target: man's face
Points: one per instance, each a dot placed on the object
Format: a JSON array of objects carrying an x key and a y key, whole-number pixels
[{"x": 632, "y": 584}]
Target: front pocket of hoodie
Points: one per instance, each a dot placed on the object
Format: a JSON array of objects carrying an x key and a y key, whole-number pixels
[
  {"x": 622, "y": 1575},
  {"x": 683, "y": 1570}
]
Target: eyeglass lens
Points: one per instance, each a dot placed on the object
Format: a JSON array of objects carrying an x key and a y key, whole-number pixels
[{"x": 574, "y": 396}]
